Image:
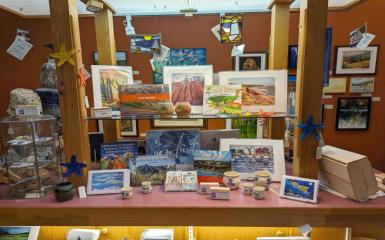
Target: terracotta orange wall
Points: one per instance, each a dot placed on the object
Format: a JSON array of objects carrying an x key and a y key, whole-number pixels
[{"x": 179, "y": 32}]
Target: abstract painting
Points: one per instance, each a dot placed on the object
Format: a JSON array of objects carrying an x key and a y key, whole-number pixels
[
  {"x": 107, "y": 181},
  {"x": 187, "y": 56},
  {"x": 146, "y": 43},
  {"x": 353, "y": 113},
  {"x": 231, "y": 29},
  {"x": 300, "y": 189},
  {"x": 19, "y": 233},
  {"x": 362, "y": 85},
  {"x": 250, "y": 62},
  {"x": 356, "y": 61}
]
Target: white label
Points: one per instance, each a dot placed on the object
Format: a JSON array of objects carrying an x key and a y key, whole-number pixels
[
  {"x": 82, "y": 192},
  {"x": 328, "y": 106},
  {"x": 136, "y": 72},
  {"x": 101, "y": 113},
  {"x": 27, "y": 110},
  {"x": 86, "y": 102},
  {"x": 319, "y": 153},
  {"x": 19, "y": 48},
  {"x": 376, "y": 99},
  {"x": 327, "y": 96},
  {"x": 220, "y": 195},
  {"x": 366, "y": 95}
]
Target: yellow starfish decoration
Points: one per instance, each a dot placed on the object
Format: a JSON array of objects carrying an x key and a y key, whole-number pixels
[{"x": 64, "y": 56}]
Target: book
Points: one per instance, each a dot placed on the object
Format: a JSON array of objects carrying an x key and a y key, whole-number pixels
[
  {"x": 117, "y": 155},
  {"x": 143, "y": 98},
  {"x": 211, "y": 165},
  {"x": 210, "y": 139},
  {"x": 222, "y": 99},
  {"x": 179, "y": 143},
  {"x": 151, "y": 168}
]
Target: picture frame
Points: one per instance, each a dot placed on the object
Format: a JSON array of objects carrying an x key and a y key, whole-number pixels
[
  {"x": 187, "y": 56},
  {"x": 362, "y": 85},
  {"x": 179, "y": 123},
  {"x": 19, "y": 232},
  {"x": 107, "y": 181},
  {"x": 257, "y": 155},
  {"x": 250, "y": 61},
  {"x": 293, "y": 188},
  {"x": 146, "y": 43},
  {"x": 336, "y": 85},
  {"x": 353, "y": 61},
  {"x": 182, "y": 79},
  {"x": 353, "y": 113},
  {"x": 121, "y": 58},
  {"x": 272, "y": 83},
  {"x": 128, "y": 128},
  {"x": 292, "y": 56}
]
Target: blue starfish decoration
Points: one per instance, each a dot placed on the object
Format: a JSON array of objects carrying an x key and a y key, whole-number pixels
[
  {"x": 310, "y": 129},
  {"x": 73, "y": 167}
]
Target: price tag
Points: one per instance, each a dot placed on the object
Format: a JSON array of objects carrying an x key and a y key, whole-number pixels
[
  {"x": 86, "y": 102},
  {"x": 327, "y": 96},
  {"x": 82, "y": 192},
  {"x": 328, "y": 106},
  {"x": 319, "y": 153}
]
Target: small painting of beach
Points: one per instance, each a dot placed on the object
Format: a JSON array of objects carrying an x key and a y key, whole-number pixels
[
  {"x": 256, "y": 91},
  {"x": 107, "y": 181}
]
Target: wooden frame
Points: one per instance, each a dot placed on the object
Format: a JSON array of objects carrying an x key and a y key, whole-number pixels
[{"x": 338, "y": 115}]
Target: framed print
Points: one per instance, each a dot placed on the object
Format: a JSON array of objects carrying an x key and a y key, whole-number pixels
[
  {"x": 146, "y": 43},
  {"x": 128, "y": 128},
  {"x": 362, "y": 85},
  {"x": 261, "y": 90},
  {"x": 250, "y": 62},
  {"x": 187, "y": 84},
  {"x": 336, "y": 85},
  {"x": 353, "y": 113},
  {"x": 19, "y": 233},
  {"x": 107, "y": 181},
  {"x": 350, "y": 61},
  {"x": 293, "y": 56},
  {"x": 187, "y": 56},
  {"x": 251, "y": 155},
  {"x": 299, "y": 189},
  {"x": 121, "y": 58},
  {"x": 231, "y": 29},
  {"x": 179, "y": 123}
]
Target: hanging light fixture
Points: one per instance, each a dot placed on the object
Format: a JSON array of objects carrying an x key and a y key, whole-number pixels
[{"x": 94, "y": 6}]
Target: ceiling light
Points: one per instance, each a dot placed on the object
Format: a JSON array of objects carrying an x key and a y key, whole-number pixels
[{"x": 94, "y": 6}]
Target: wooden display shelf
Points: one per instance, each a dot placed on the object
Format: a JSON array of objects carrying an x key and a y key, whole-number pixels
[{"x": 188, "y": 208}]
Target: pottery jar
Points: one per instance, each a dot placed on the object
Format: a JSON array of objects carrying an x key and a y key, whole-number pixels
[
  {"x": 248, "y": 188},
  {"x": 146, "y": 187},
  {"x": 259, "y": 193},
  {"x": 263, "y": 179},
  {"x": 232, "y": 180},
  {"x": 127, "y": 192}
]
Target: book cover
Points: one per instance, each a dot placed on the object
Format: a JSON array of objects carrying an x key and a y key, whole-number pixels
[
  {"x": 117, "y": 155},
  {"x": 211, "y": 165},
  {"x": 151, "y": 168},
  {"x": 222, "y": 99},
  {"x": 179, "y": 143},
  {"x": 210, "y": 139},
  {"x": 142, "y": 99}
]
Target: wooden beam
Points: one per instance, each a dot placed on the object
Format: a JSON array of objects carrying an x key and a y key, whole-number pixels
[
  {"x": 279, "y": 42},
  {"x": 105, "y": 41},
  {"x": 311, "y": 52},
  {"x": 65, "y": 28}
]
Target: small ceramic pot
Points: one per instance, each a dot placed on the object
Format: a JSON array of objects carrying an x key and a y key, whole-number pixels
[
  {"x": 263, "y": 179},
  {"x": 259, "y": 193},
  {"x": 64, "y": 191},
  {"x": 248, "y": 189},
  {"x": 127, "y": 192},
  {"x": 182, "y": 108},
  {"x": 232, "y": 180},
  {"x": 166, "y": 109},
  {"x": 146, "y": 187},
  {"x": 64, "y": 187}
]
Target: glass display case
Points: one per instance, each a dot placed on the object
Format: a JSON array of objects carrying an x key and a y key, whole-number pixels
[{"x": 30, "y": 155}]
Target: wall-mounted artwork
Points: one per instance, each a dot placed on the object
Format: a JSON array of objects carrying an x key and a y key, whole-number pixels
[
  {"x": 121, "y": 58},
  {"x": 351, "y": 61},
  {"x": 231, "y": 29},
  {"x": 293, "y": 56},
  {"x": 362, "y": 85},
  {"x": 187, "y": 56},
  {"x": 353, "y": 113},
  {"x": 146, "y": 43},
  {"x": 250, "y": 62},
  {"x": 128, "y": 128},
  {"x": 336, "y": 85}
]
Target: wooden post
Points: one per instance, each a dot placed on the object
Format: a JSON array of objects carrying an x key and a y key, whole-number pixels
[
  {"x": 105, "y": 41},
  {"x": 311, "y": 52},
  {"x": 278, "y": 54},
  {"x": 65, "y": 28}
]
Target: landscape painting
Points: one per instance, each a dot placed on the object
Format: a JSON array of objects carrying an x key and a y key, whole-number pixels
[
  {"x": 256, "y": 91},
  {"x": 117, "y": 155},
  {"x": 353, "y": 113},
  {"x": 336, "y": 85},
  {"x": 146, "y": 43},
  {"x": 19, "y": 233},
  {"x": 362, "y": 85},
  {"x": 222, "y": 99},
  {"x": 356, "y": 61},
  {"x": 211, "y": 165},
  {"x": 107, "y": 181}
]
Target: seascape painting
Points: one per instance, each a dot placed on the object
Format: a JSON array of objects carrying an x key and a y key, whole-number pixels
[
  {"x": 146, "y": 43},
  {"x": 299, "y": 189},
  {"x": 362, "y": 85},
  {"x": 187, "y": 56},
  {"x": 188, "y": 87},
  {"x": 353, "y": 113},
  {"x": 107, "y": 181},
  {"x": 14, "y": 233},
  {"x": 256, "y": 91}
]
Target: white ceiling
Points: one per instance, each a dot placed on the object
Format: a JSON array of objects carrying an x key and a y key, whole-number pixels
[{"x": 159, "y": 7}]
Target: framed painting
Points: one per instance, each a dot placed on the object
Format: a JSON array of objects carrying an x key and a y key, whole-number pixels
[
  {"x": 107, "y": 181},
  {"x": 350, "y": 61},
  {"x": 187, "y": 84},
  {"x": 353, "y": 113},
  {"x": 336, "y": 85},
  {"x": 251, "y": 155},
  {"x": 299, "y": 189},
  {"x": 261, "y": 90},
  {"x": 187, "y": 56},
  {"x": 121, "y": 58},
  {"x": 128, "y": 128},
  {"x": 293, "y": 56},
  {"x": 231, "y": 29},
  {"x": 179, "y": 123},
  {"x": 362, "y": 85},
  {"x": 146, "y": 43},
  {"x": 250, "y": 62},
  {"x": 19, "y": 233}
]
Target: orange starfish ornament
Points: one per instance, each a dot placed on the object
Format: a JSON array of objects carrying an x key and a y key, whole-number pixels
[{"x": 64, "y": 56}]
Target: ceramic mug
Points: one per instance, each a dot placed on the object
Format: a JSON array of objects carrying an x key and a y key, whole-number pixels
[
  {"x": 127, "y": 192},
  {"x": 248, "y": 189},
  {"x": 263, "y": 179},
  {"x": 259, "y": 192},
  {"x": 146, "y": 187}
]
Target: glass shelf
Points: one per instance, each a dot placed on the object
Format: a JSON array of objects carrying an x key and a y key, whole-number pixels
[{"x": 193, "y": 116}]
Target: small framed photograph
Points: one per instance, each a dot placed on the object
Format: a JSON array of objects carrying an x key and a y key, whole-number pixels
[
  {"x": 22, "y": 233},
  {"x": 250, "y": 62},
  {"x": 353, "y": 113},
  {"x": 121, "y": 58},
  {"x": 362, "y": 85},
  {"x": 128, "y": 128},
  {"x": 292, "y": 56},
  {"x": 179, "y": 123},
  {"x": 336, "y": 85},
  {"x": 107, "y": 181},
  {"x": 350, "y": 61},
  {"x": 300, "y": 189}
]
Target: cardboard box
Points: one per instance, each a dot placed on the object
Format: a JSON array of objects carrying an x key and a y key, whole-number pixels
[{"x": 347, "y": 172}]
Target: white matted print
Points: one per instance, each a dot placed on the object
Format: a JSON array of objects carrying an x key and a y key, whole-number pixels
[
  {"x": 107, "y": 181},
  {"x": 336, "y": 85},
  {"x": 261, "y": 90},
  {"x": 187, "y": 84},
  {"x": 251, "y": 155},
  {"x": 250, "y": 62},
  {"x": 356, "y": 61},
  {"x": 362, "y": 85},
  {"x": 299, "y": 189}
]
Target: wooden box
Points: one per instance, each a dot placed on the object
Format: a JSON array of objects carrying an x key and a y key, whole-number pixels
[{"x": 347, "y": 172}]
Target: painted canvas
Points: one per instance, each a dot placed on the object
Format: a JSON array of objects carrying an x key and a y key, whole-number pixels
[
  {"x": 250, "y": 62},
  {"x": 231, "y": 29},
  {"x": 301, "y": 189},
  {"x": 151, "y": 168},
  {"x": 362, "y": 85},
  {"x": 107, "y": 181},
  {"x": 261, "y": 90},
  {"x": 106, "y": 81},
  {"x": 356, "y": 61},
  {"x": 150, "y": 43},
  {"x": 187, "y": 56},
  {"x": 187, "y": 84},
  {"x": 353, "y": 113},
  {"x": 336, "y": 85},
  {"x": 19, "y": 233},
  {"x": 211, "y": 165},
  {"x": 251, "y": 155},
  {"x": 179, "y": 143},
  {"x": 121, "y": 58},
  {"x": 128, "y": 128},
  {"x": 222, "y": 99},
  {"x": 117, "y": 155}
]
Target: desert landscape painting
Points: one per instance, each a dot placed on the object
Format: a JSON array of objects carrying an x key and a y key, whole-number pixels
[
  {"x": 256, "y": 91},
  {"x": 188, "y": 87}
]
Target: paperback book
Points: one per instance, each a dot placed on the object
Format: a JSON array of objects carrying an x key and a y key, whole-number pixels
[
  {"x": 222, "y": 99},
  {"x": 117, "y": 155},
  {"x": 211, "y": 165}
]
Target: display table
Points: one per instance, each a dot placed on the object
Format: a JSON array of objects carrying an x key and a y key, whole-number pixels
[{"x": 190, "y": 208}]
